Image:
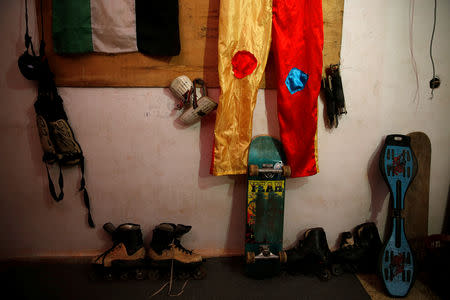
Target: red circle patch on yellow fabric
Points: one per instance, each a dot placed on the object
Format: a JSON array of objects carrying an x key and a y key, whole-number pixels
[{"x": 244, "y": 63}]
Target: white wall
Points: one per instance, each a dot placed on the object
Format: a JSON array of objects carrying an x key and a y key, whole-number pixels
[{"x": 141, "y": 167}]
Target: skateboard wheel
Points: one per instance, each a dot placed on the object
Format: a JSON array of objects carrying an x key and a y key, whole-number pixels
[
  {"x": 283, "y": 257},
  {"x": 286, "y": 171},
  {"x": 250, "y": 258},
  {"x": 253, "y": 170}
]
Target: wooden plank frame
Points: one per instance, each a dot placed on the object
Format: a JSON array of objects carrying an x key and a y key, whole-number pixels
[{"x": 198, "y": 58}]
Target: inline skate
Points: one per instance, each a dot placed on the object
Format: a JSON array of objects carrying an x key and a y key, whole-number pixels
[
  {"x": 358, "y": 252},
  {"x": 126, "y": 258},
  {"x": 311, "y": 255},
  {"x": 168, "y": 257}
]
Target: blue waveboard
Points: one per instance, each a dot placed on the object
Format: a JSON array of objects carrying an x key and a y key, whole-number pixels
[{"x": 399, "y": 167}]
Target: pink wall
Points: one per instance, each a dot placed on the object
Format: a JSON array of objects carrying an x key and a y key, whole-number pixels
[{"x": 141, "y": 167}]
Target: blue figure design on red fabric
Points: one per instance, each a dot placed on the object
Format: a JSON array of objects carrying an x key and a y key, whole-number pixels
[{"x": 296, "y": 80}]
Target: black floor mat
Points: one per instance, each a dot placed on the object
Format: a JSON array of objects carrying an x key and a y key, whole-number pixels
[{"x": 225, "y": 280}]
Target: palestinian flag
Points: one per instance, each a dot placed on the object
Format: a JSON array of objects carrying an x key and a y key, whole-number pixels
[{"x": 116, "y": 26}]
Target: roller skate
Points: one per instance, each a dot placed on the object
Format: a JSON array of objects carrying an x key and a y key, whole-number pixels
[
  {"x": 126, "y": 258},
  {"x": 358, "y": 252},
  {"x": 311, "y": 255},
  {"x": 168, "y": 257}
]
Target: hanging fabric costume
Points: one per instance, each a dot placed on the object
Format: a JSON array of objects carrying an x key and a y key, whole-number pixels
[
  {"x": 297, "y": 41},
  {"x": 297, "y": 46},
  {"x": 244, "y": 43}
]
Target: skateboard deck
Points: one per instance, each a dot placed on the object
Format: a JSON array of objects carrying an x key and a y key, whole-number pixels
[
  {"x": 398, "y": 166},
  {"x": 266, "y": 180},
  {"x": 416, "y": 204}
]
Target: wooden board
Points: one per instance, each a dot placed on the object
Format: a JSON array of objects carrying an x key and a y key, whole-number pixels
[
  {"x": 417, "y": 197},
  {"x": 198, "y": 57}
]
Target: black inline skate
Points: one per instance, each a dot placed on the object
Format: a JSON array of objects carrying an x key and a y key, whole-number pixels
[
  {"x": 126, "y": 258},
  {"x": 311, "y": 255},
  {"x": 168, "y": 257},
  {"x": 358, "y": 252}
]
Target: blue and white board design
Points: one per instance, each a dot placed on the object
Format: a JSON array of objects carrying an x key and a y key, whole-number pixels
[{"x": 398, "y": 166}]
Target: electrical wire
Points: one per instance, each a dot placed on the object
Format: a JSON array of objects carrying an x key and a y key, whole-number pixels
[
  {"x": 411, "y": 49},
  {"x": 431, "y": 47}
]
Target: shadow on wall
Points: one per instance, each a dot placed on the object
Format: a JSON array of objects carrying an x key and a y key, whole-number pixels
[
  {"x": 273, "y": 126},
  {"x": 446, "y": 227},
  {"x": 378, "y": 186},
  {"x": 236, "y": 228},
  {"x": 326, "y": 121}
]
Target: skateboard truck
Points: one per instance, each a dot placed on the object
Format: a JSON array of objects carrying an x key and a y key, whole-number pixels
[
  {"x": 270, "y": 169},
  {"x": 265, "y": 253}
]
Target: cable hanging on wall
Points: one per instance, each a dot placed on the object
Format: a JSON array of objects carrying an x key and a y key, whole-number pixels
[
  {"x": 435, "y": 82},
  {"x": 411, "y": 49}
]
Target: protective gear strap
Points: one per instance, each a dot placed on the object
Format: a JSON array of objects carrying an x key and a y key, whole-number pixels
[
  {"x": 51, "y": 186},
  {"x": 85, "y": 194}
]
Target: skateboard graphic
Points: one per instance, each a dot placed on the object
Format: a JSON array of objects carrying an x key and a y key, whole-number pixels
[
  {"x": 398, "y": 166},
  {"x": 266, "y": 179}
]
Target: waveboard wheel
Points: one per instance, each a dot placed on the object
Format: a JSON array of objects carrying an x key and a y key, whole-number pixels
[
  {"x": 253, "y": 170},
  {"x": 250, "y": 258},
  {"x": 283, "y": 257},
  {"x": 286, "y": 171}
]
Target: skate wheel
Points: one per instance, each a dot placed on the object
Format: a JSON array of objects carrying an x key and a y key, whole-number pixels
[
  {"x": 325, "y": 275},
  {"x": 93, "y": 276},
  {"x": 253, "y": 170},
  {"x": 139, "y": 274},
  {"x": 283, "y": 257},
  {"x": 124, "y": 276},
  {"x": 286, "y": 171},
  {"x": 153, "y": 274},
  {"x": 108, "y": 276},
  {"x": 336, "y": 270},
  {"x": 250, "y": 258},
  {"x": 199, "y": 273},
  {"x": 182, "y": 275}
]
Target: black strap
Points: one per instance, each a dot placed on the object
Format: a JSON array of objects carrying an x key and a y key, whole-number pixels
[
  {"x": 42, "y": 44},
  {"x": 28, "y": 42},
  {"x": 85, "y": 194},
  {"x": 52, "y": 187},
  {"x": 198, "y": 82},
  {"x": 83, "y": 189}
]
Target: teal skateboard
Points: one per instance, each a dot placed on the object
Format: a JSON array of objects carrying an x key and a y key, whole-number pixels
[{"x": 267, "y": 172}]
